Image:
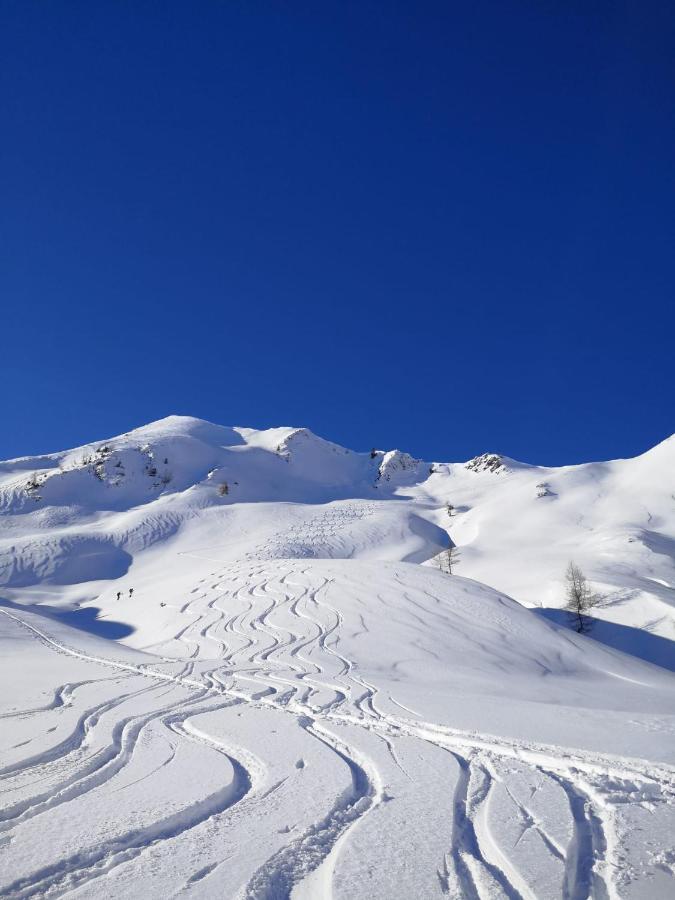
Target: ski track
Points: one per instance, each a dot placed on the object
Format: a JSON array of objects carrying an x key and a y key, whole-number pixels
[{"x": 276, "y": 638}]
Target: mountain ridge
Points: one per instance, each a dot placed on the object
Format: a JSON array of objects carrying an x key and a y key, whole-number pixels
[{"x": 516, "y": 525}]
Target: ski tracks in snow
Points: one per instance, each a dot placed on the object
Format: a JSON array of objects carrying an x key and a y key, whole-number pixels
[{"x": 524, "y": 821}]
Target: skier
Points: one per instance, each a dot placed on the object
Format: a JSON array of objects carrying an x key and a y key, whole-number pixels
[
  {"x": 131, "y": 592},
  {"x": 119, "y": 594}
]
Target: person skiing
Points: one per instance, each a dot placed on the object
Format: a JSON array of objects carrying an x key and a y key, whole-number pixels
[
  {"x": 119, "y": 594},
  {"x": 131, "y": 592}
]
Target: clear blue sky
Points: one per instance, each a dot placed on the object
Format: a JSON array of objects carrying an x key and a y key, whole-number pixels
[{"x": 447, "y": 227}]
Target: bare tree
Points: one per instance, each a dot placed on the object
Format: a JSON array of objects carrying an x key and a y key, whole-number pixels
[
  {"x": 580, "y": 597},
  {"x": 448, "y": 559}
]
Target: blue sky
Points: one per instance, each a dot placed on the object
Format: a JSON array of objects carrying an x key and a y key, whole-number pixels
[{"x": 443, "y": 227}]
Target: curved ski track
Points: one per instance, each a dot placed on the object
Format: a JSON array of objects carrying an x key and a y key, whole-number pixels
[{"x": 270, "y": 638}]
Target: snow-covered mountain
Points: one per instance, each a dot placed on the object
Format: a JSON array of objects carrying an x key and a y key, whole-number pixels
[
  {"x": 93, "y": 514},
  {"x": 242, "y": 641}
]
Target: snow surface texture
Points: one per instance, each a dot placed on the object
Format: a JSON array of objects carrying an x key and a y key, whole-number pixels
[{"x": 295, "y": 702}]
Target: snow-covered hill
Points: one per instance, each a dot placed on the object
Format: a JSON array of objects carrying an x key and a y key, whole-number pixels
[
  {"x": 232, "y": 668},
  {"x": 96, "y": 512}
]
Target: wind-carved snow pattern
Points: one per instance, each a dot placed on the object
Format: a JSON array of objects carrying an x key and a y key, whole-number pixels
[{"x": 297, "y": 713}]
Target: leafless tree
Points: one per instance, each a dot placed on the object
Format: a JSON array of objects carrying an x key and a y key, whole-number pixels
[
  {"x": 448, "y": 559},
  {"x": 580, "y": 597}
]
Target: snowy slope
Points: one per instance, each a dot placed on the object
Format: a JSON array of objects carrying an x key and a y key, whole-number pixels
[
  {"x": 519, "y": 525},
  {"x": 295, "y": 702},
  {"x": 86, "y": 514}
]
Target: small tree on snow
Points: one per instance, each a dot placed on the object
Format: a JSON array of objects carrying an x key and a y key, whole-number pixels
[
  {"x": 448, "y": 559},
  {"x": 580, "y": 597}
]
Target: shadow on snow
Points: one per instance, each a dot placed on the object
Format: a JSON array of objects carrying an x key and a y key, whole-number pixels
[
  {"x": 636, "y": 642},
  {"x": 83, "y": 619}
]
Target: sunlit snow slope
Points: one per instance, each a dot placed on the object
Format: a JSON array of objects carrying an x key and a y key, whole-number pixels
[{"x": 295, "y": 702}]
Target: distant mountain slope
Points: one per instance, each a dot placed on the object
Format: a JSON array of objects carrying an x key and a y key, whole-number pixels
[{"x": 78, "y": 522}]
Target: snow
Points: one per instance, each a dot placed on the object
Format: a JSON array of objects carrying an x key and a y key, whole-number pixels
[{"x": 296, "y": 702}]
